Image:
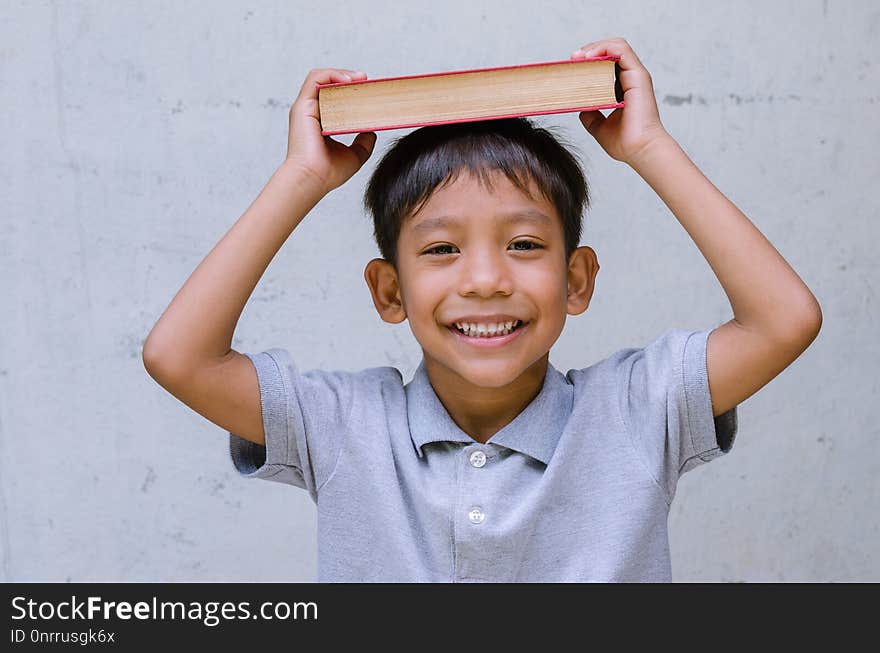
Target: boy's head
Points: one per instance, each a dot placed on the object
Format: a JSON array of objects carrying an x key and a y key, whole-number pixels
[{"x": 435, "y": 273}]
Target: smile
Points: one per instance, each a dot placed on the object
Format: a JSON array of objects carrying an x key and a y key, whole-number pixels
[{"x": 489, "y": 342}]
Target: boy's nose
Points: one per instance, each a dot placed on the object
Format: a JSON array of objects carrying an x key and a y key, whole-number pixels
[{"x": 484, "y": 275}]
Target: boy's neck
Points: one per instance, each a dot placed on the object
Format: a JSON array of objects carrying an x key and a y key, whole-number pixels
[{"x": 482, "y": 412}]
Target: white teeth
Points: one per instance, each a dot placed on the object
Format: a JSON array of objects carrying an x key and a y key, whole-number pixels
[{"x": 486, "y": 330}]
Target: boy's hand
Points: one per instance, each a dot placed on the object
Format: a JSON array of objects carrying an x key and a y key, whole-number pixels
[
  {"x": 627, "y": 131},
  {"x": 332, "y": 163}
]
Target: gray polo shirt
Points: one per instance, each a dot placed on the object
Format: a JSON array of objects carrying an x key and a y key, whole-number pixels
[{"x": 576, "y": 488}]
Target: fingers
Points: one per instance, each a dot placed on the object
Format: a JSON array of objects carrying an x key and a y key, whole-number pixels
[
  {"x": 618, "y": 47},
  {"x": 632, "y": 72},
  {"x": 306, "y": 103},
  {"x": 362, "y": 145},
  {"x": 591, "y": 120},
  {"x": 316, "y": 76},
  {"x": 581, "y": 52}
]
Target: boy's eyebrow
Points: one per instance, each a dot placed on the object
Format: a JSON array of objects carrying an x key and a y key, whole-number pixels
[{"x": 527, "y": 215}]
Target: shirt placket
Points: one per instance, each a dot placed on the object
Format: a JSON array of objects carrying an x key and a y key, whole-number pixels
[{"x": 473, "y": 510}]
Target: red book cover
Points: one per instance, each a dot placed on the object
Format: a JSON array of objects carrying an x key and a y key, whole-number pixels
[{"x": 618, "y": 94}]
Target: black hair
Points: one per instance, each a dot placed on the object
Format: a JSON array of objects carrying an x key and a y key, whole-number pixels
[{"x": 417, "y": 163}]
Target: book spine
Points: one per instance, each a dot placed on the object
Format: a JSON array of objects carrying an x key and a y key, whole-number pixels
[{"x": 618, "y": 89}]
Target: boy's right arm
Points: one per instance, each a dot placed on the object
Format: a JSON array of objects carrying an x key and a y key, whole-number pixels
[{"x": 188, "y": 351}]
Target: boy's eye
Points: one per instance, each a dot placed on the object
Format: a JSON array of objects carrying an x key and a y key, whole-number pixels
[
  {"x": 534, "y": 245},
  {"x": 528, "y": 242},
  {"x": 433, "y": 250}
]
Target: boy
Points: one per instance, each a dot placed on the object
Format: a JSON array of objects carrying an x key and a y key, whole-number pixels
[{"x": 490, "y": 464}]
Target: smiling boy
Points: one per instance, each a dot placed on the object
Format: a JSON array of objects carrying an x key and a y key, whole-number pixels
[{"x": 490, "y": 464}]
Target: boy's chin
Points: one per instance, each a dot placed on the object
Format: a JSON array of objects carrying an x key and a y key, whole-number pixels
[{"x": 486, "y": 372}]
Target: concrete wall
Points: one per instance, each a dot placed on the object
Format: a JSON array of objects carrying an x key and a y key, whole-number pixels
[{"x": 136, "y": 134}]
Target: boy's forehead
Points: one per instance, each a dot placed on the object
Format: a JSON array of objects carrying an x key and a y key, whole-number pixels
[
  {"x": 530, "y": 216},
  {"x": 468, "y": 198}
]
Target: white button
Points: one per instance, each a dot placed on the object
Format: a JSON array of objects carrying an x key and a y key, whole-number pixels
[
  {"x": 476, "y": 515},
  {"x": 478, "y": 459}
]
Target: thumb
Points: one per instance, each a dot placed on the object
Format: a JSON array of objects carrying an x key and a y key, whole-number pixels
[
  {"x": 592, "y": 120},
  {"x": 362, "y": 145}
]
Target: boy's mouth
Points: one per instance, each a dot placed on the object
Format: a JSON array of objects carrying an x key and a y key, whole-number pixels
[
  {"x": 485, "y": 338},
  {"x": 475, "y": 331}
]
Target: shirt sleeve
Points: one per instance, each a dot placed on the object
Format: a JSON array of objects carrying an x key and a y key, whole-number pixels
[
  {"x": 667, "y": 408},
  {"x": 305, "y": 417}
]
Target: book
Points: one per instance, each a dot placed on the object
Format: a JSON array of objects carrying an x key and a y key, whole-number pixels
[{"x": 468, "y": 95}]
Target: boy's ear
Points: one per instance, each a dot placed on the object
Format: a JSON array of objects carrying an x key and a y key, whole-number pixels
[
  {"x": 381, "y": 278},
  {"x": 583, "y": 266}
]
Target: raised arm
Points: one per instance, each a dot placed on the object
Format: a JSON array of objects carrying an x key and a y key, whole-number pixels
[
  {"x": 776, "y": 317},
  {"x": 188, "y": 351}
]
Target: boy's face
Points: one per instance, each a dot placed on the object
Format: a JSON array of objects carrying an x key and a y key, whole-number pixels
[{"x": 478, "y": 265}]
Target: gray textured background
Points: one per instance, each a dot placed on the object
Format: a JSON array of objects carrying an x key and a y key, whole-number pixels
[{"x": 134, "y": 135}]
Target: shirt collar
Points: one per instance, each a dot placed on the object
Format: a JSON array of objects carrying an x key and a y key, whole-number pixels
[{"x": 534, "y": 432}]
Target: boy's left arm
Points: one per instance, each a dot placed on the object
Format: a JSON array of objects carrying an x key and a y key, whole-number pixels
[{"x": 776, "y": 317}]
